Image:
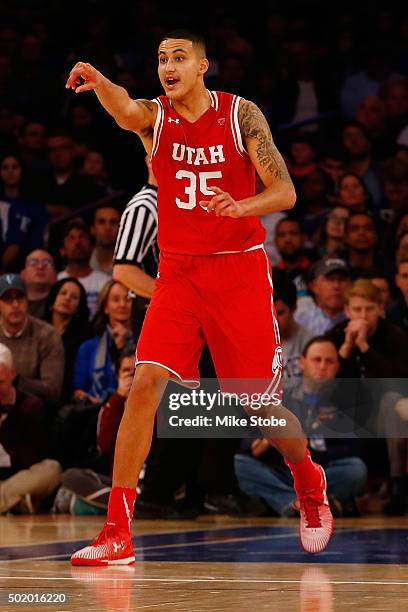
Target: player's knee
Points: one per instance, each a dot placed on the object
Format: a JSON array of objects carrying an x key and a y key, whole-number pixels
[{"x": 148, "y": 384}]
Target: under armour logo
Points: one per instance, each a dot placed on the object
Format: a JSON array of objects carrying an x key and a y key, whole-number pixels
[
  {"x": 116, "y": 547},
  {"x": 221, "y": 121},
  {"x": 171, "y": 120}
]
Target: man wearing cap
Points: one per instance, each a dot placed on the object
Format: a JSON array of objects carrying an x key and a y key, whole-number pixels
[
  {"x": 330, "y": 277},
  {"x": 37, "y": 349}
]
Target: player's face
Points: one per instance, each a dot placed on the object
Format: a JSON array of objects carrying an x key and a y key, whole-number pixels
[
  {"x": 360, "y": 308},
  {"x": 181, "y": 67}
]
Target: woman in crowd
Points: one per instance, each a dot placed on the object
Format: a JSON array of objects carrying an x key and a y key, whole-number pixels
[
  {"x": 94, "y": 373},
  {"x": 352, "y": 193},
  {"x": 67, "y": 311},
  {"x": 329, "y": 239}
]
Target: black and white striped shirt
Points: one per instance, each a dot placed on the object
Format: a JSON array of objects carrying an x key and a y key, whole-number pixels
[{"x": 136, "y": 243}]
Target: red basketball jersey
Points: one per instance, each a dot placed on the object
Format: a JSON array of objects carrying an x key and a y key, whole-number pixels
[{"x": 187, "y": 158}]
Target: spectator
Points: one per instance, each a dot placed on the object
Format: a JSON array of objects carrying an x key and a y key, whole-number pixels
[
  {"x": 321, "y": 405},
  {"x": 395, "y": 178},
  {"x": 306, "y": 91},
  {"x": 393, "y": 423},
  {"x": 329, "y": 238},
  {"x": 357, "y": 143},
  {"x": 39, "y": 276},
  {"x": 352, "y": 193},
  {"x": 398, "y": 313},
  {"x": 66, "y": 309},
  {"x": 26, "y": 476},
  {"x": 293, "y": 336},
  {"x": 315, "y": 200},
  {"x": 37, "y": 349},
  {"x": 104, "y": 229},
  {"x": 302, "y": 159},
  {"x": 369, "y": 345},
  {"x": 402, "y": 246},
  {"x": 329, "y": 279},
  {"x": 294, "y": 263},
  {"x": 361, "y": 239},
  {"x": 367, "y": 82},
  {"x": 394, "y": 94},
  {"x": 84, "y": 491},
  {"x": 77, "y": 249},
  {"x": 64, "y": 189},
  {"x": 95, "y": 167},
  {"x": 23, "y": 219},
  {"x": 332, "y": 160},
  {"x": 371, "y": 114},
  {"x": 382, "y": 282},
  {"x": 94, "y": 372},
  {"x": 32, "y": 145}
]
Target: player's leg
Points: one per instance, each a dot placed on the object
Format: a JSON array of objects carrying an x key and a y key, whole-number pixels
[
  {"x": 114, "y": 543},
  {"x": 169, "y": 346},
  {"x": 243, "y": 335}
]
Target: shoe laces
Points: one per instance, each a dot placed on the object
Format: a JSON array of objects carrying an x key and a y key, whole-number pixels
[
  {"x": 109, "y": 530},
  {"x": 311, "y": 509}
]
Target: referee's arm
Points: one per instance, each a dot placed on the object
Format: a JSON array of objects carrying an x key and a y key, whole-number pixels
[
  {"x": 137, "y": 233},
  {"x": 135, "y": 279}
]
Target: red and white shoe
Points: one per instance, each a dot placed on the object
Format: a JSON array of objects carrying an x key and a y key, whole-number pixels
[
  {"x": 111, "y": 547},
  {"x": 316, "y": 520}
]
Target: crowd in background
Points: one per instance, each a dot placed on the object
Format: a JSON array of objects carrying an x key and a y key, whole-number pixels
[{"x": 333, "y": 85}]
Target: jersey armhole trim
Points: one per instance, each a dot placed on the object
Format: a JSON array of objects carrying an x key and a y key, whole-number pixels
[
  {"x": 158, "y": 126},
  {"x": 236, "y": 132}
]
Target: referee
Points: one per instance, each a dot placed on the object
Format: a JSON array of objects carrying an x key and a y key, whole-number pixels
[{"x": 136, "y": 255}]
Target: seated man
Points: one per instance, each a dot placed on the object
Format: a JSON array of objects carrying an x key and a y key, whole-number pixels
[
  {"x": 76, "y": 250},
  {"x": 39, "y": 276},
  {"x": 37, "y": 349},
  {"x": 293, "y": 336},
  {"x": 26, "y": 476},
  {"x": 369, "y": 345},
  {"x": 330, "y": 277},
  {"x": 322, "y": 406}
]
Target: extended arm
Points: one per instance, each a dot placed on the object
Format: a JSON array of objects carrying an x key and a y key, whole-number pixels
[{"x": 135, "y": 115}]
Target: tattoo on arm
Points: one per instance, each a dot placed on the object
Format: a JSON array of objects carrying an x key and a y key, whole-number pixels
[
  {"x": 254, "y": 125},
  {"x": 147, "y": 103}
]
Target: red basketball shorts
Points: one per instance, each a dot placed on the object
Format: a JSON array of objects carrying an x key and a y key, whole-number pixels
[{"x": 223, "y": 300}]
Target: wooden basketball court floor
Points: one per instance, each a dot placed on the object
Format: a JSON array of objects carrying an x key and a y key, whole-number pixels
[{"x": 212, "y": 563}]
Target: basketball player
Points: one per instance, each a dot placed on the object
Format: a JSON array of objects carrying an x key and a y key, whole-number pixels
[{"x": 214, "y": 280}]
